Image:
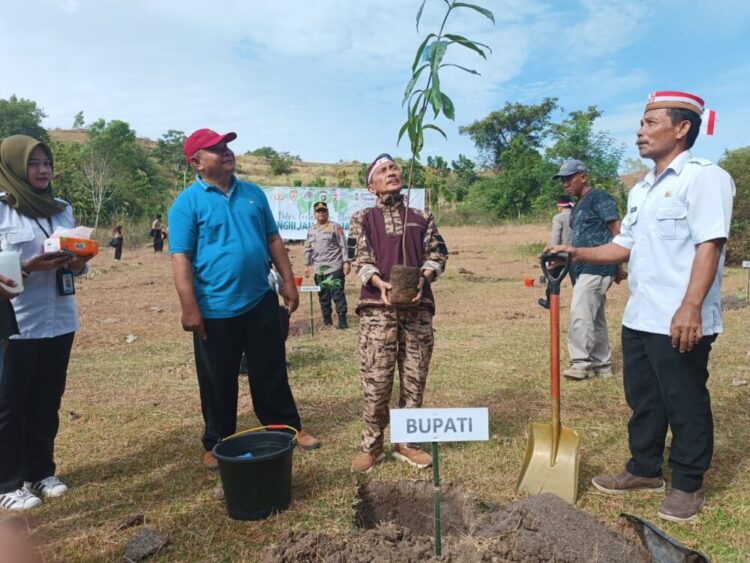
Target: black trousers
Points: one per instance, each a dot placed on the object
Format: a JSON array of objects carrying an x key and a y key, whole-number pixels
[
  {"x": 118, "y": 249},
  {"x": 32, "y": 384},
  {"x": 257, "y": 333},
  {"x": 338, "y": 295},
  {"x": 158, "y": 241},
  {"x": 665, "y": 388}
]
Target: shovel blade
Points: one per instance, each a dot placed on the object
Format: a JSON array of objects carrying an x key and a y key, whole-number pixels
[{"x": 542, "y": 474}]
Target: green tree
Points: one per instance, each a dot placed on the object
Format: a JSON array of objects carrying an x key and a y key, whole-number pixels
[
  {"x": 264, "y": 152},
  {"x": 281, "y": 163},
  {"x": 121, "y": 177},
  {"x": 528, "y": 124},
  {"x": 464, "y": 175},
  {"x": 575, "y": 137},
  {"x": 737, "y": 163},
  {"x": 318, "y": 182},
  {"x": 633, "y": 165},
  {"x": 362, "y": 174},
  {"x": 525, "y": 180},
  {"x": 169, "y": 152},
  {"x": 22, "y": 117},
  {"x": 343, "y": 180},
  {"x": 78, "y": 121},
  {"x": 68, "y": 181},
  {"x": 436, "y": 180}
]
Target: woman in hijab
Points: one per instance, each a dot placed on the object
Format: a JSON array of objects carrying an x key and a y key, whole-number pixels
[{"x": 36, "y": 361}]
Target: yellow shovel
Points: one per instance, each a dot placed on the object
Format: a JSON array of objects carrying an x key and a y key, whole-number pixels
[{"x": 552, "y": 455}]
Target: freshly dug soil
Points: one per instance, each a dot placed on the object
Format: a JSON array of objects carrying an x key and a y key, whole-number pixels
[
  {"x": 398, "y": 518},
  {"x": 547, "y": 528},
  {"x": 404, "y": 284},
  {"x": 410, "y": 504}
]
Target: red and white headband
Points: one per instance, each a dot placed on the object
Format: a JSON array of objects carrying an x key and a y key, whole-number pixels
[
  {"x": 382, "y": 159},
  {"x": 683, "y": 100}
]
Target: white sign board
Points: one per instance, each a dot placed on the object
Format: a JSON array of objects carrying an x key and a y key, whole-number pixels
[
  {"x": 440, "y": 425},
  {"x": 292, "y": 207},
  {"x": 310, "y": 289},
  {"x": 746, "y": 263}
]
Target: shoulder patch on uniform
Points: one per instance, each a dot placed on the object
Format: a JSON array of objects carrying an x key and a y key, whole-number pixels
[{"x": 701, "y": 161}]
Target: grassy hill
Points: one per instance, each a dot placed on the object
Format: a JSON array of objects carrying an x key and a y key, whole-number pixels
[
  {"x": 253, "y": 168},
  {"x": 258, "y": 170}
]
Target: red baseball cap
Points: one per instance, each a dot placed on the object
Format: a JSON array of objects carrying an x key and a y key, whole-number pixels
[{"x": 203, "y": 139}]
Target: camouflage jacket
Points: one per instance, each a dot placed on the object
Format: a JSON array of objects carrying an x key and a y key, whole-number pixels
[{"x": 374, "y": 245}]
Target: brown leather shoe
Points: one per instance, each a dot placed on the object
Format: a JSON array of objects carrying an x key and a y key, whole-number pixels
[
  {"x": 209, "y": 461},
  {"x": 307, "y": 441},
  {"x": 412, "y": 456},
  {"x": 679, "y": 506},
  {"x": 364, "y": 462},
  {"x": 619, "y": 483}
]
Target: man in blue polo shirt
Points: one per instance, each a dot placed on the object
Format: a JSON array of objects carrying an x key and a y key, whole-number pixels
[{"x": 222, "y": 237}]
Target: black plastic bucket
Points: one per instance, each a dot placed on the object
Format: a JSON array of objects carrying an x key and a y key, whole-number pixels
[{"x": 260, "y": 484}]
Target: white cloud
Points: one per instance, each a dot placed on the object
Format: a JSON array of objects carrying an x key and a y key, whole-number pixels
[{"x": 321, "y": 79}]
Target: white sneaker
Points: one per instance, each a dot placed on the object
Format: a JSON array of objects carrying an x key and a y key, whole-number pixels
[
  {"x": 20, "y": 499},
  {"x": 49, "y": 487}
]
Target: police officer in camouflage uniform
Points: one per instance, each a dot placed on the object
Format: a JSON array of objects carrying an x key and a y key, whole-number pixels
[
  {"x": 325, "y": 248},
  {"x": 390, "y": 336}
]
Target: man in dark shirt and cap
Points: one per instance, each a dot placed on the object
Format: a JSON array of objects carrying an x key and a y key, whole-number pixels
[{"x": 594, "y": 221}]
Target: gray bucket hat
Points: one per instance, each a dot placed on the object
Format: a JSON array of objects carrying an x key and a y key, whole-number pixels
[{"x": 570, "y": 167}]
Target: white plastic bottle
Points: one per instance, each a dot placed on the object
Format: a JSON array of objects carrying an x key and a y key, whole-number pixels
[{"x": 10, "y": 267}]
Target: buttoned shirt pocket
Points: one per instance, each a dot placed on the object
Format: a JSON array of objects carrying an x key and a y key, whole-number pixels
[
  {"x": 18, "y": 237},
  {"x": 671, "y": 222}
]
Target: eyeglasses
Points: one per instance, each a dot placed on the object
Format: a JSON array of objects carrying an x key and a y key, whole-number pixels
[{"x": 321, "y": 211}]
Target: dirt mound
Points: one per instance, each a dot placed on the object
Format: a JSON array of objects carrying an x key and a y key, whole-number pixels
[
  {"x": 399, "y": 527},
  {"x": 546, "y": 528}
]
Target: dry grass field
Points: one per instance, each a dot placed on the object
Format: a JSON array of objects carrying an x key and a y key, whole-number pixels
[{"x": 131, "y": 424}]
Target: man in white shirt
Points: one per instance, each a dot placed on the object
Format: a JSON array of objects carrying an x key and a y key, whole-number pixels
[{"x": 674, "y": 237}]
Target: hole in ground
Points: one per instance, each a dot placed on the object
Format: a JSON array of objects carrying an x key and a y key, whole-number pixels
[{"x": 409, "y": 504}]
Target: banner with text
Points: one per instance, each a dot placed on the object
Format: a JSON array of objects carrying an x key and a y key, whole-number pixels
[{"x": 293, "y": 207}]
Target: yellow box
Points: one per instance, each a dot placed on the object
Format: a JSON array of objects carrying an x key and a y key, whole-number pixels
[{"x": 79, "y": 246}]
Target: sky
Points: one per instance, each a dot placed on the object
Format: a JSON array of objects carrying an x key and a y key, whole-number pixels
[{"x": 324, "y": 79}]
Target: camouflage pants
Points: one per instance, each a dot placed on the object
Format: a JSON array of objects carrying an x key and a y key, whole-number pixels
[{"x": 387, "y": 338}]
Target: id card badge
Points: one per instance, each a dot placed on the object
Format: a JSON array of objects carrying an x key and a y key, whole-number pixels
[{"x": 65, "y": 283}]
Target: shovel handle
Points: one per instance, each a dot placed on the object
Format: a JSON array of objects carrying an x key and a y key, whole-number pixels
[
  {"x": 554, "y": 281},
  {"x": 554, "y": 309}
]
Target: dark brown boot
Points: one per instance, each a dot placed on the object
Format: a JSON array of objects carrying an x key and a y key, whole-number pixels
[
  {"x": 619, "y": 483},
  {"x": 680, "y": 506}
]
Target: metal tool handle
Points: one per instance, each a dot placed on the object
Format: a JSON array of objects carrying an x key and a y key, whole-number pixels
[
  {"x": 554, "y": 281},
  {"x": 554, "y": 310}
]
